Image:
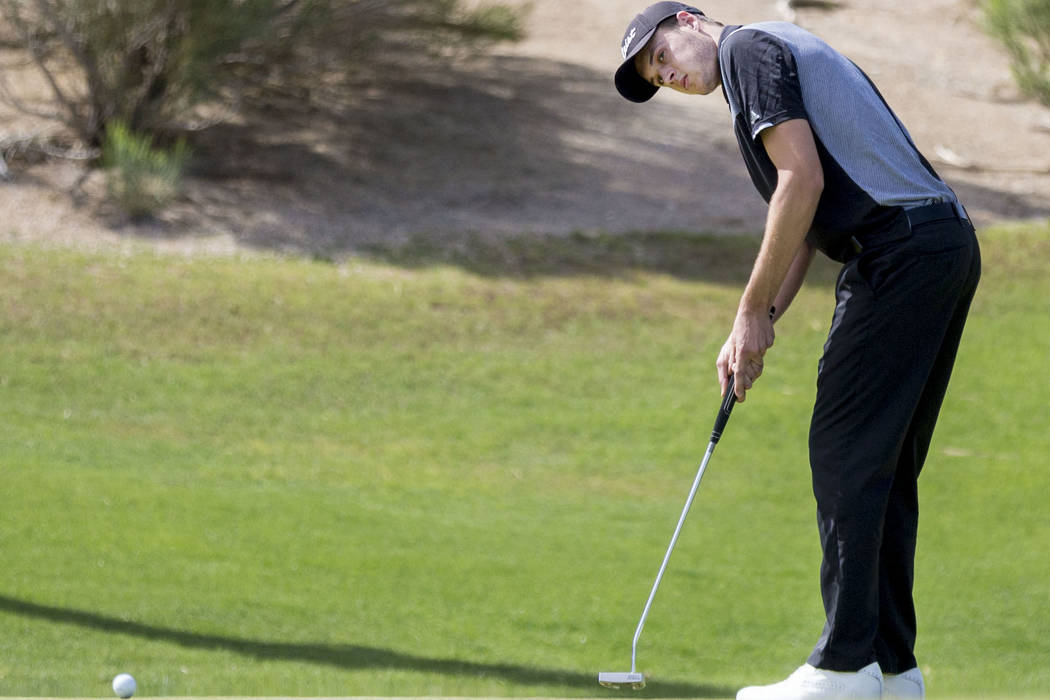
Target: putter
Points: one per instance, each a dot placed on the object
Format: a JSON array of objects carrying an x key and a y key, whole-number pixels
[{"x": 633, "y": 679}]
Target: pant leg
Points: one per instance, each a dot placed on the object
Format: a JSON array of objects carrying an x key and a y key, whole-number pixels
[
  {"x": 894, "y": 310},
  {"x": 895, "y": 641}
]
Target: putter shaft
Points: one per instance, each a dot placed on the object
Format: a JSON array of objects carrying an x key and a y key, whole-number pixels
[
  {"x": 635, "y": 679},
  {"x": 670, "y": 548}
]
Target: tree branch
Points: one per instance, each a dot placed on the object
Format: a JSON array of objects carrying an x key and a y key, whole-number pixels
[
  {"x": 9, "y": 97},
  {"x": 39, "y": 56},
  {"x": 90, "y": 125}
]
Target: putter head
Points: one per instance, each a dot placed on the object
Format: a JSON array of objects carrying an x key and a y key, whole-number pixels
[{"x": 614, "y": 679}]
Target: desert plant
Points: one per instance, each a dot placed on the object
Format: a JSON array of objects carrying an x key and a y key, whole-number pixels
[
  {"x": 148, "y": 63},
  {"x": 1023, "y": 27},
  {"x": 142, "y": 178}
]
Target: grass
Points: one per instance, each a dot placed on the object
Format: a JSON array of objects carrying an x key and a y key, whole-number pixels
[{"x": 453, "y": 469}]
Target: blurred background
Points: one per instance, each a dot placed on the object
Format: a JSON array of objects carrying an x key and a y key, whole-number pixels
[{"x": 326, "y": 126}]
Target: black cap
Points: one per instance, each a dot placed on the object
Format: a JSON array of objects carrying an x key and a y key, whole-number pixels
[{"x": 641, "y": 29}]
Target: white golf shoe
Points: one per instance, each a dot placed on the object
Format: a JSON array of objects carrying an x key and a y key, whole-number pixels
[
  {"x": 904, "y": 686},
  {"x": 809, "y": 683}
]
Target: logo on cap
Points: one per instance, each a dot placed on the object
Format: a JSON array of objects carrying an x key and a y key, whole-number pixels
[{"x": 627, "y": 42}]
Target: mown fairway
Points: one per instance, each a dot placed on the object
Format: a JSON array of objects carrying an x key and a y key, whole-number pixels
[{"x": 445, "y": 473}]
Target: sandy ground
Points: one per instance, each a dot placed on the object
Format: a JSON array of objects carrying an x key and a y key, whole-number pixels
[{"x": 532, "y": 138}]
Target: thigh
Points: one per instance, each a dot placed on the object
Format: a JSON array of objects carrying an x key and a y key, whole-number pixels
[{"x": 894, "y": 308}]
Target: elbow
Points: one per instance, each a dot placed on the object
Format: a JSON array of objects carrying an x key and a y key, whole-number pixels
[
  {"x": 813, "y": 184},
  {"x": 803, "y": 186},
  {"x": 808, "y": 188}
]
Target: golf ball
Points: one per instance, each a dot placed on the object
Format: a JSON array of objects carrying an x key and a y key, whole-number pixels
[{"x": 124, "y": 685}]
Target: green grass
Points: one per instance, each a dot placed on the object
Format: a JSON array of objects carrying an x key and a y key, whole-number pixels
[{"x": 453, "y": 470}]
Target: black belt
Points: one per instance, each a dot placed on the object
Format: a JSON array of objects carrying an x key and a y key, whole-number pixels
[{"x": 931, "y": 212}]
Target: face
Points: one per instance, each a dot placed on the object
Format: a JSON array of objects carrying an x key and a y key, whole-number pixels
[{"x": 682, "y": 56}]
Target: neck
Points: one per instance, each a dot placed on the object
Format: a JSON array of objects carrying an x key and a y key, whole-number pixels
[{"x": 713, "y": 29}]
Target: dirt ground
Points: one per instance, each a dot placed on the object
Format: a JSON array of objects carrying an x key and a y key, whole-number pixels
[{"x": 532, "y": 138}]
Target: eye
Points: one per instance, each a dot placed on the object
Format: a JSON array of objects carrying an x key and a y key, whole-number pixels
[{"x": 660, "y": 57}]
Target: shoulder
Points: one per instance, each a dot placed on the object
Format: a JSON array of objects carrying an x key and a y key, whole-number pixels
[
  {"x": 755, "y": 42},
  {"x": 760, "y": 76},
  {"x": 763, "y": 52}
]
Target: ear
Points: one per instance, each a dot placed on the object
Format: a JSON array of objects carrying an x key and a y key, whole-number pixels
[{"x": 688, "y": 19}]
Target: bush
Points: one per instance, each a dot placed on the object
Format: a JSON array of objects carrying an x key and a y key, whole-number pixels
[
  {"x": 1023, "y": 26},
  {"x": 149, "y": 63},
  {"x": 142, "y": 179}
]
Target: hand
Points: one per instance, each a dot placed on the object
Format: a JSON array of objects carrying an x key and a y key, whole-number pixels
[{"x": 743, "y": 352}]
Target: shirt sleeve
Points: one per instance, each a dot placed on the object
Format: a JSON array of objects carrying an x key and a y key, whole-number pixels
[{"x": 764, "y": 78}]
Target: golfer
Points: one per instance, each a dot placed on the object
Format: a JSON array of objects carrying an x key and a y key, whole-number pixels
[{"x": 843, "y": 177}]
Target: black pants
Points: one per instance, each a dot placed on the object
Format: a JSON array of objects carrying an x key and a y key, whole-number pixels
[{"x": 901, "y": 307}]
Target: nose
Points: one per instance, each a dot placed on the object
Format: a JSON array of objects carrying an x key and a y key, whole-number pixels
[{"x": 667, "y": 75}]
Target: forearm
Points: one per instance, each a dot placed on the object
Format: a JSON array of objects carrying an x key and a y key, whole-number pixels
[{"x": 796, "y": 274}]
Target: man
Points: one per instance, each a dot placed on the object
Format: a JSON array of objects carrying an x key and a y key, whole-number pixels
[{"x": 842, "y": 176}]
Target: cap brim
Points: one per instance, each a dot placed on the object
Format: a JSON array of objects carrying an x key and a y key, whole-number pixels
[
  {"x": 630, "y": 84},
  {"x": 633, "y": 86}
]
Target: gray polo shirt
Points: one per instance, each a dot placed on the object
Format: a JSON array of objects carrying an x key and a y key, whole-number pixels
[{"x": 776, "y": 71}]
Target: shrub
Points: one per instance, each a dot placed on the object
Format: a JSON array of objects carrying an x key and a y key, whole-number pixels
[
  {"x": 141, "y": 178},
  {"x": 1023, "y": 26},
  {"x": 148, "y": 63}
]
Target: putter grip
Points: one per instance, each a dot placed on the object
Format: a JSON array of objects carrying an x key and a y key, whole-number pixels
[
  {"x": 724, "y": 410},
  {"x": 730, "y": 399}
]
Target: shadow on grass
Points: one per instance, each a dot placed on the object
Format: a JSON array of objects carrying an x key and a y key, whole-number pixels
[
  {"x": 721, "y": 259},
  {"x": 348, "y": 656},
  {"x": 715, "y": 258}
]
